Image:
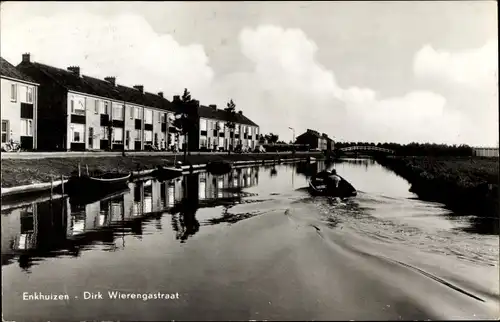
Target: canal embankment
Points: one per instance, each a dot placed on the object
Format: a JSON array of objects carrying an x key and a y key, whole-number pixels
[
  {"x": 36, "y": 175},
  {"x": 466, "y": 185}
]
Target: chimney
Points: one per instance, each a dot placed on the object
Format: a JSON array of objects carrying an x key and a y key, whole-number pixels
[
  {"x": 26, "y": 58},
  {"x": 213, "y": 106},
  {"x": 140, "y": 88},
  {"x": 177, "y": 98},
  {"x": 160, "y": 94},
  {"x": 75, "y": 70},
  {"x": 240, "y": 112},
  {"x": 112, "y": 80}
]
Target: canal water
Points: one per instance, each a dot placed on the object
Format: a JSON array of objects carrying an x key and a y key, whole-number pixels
[{"x": 251, "y": 244}]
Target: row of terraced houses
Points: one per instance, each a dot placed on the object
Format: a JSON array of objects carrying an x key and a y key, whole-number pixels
[{"x": 48, "y": 108}]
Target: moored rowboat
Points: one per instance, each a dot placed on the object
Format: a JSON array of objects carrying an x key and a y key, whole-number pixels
[
  {"x": 96, "y": 184},
  {"x": 167, "y": 172},
  {"x": 219, "y": 167}
]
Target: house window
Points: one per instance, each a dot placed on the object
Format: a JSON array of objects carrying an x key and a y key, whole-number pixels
[
  {"x": 77, "y": 107},
  {"x": 105, "y": 107},
  {"x": 148, "y": 136},
  {"x": 163, "y": 117},
  {"x": 104, "y": 133},
  {"x": 77, "y": 132},
  {"x": 137, "y": 113},
  {"x": 257, "y": 131},
  {"x": 203, "y": 142},
  {"x": 29, "y": 95},
  {"x": 148, "y": 116},
  {"x": 26, "y": 127},
  {"x": 5, "y": 131},
  {"x": 118, "y": 112},
  {"x": 237, "y": 129},
  {"x": 203, "y": 125},
  {"x": 117, "y": 135},
  {"x": 96, "y": 106},
  {"x": 132, "y": 112},
  {"x": 137, "y": 135},
  {"x": 13, "y": 92}
]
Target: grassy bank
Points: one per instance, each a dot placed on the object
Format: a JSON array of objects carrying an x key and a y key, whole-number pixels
[
  {"x": 23, "y": 172},
  {"x": 465, "y": 184}
]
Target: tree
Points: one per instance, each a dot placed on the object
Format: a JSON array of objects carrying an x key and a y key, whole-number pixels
[
  {"x": 183, "y": 121},
  {"x": 272, "y": 138},
  {"x": 231, "y": 110}
]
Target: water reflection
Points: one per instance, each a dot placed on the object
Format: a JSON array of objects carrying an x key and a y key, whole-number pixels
[
  {"x": 35, "y": 231},
  {"x": 310, "y": 169},
  {"x": 59, "y": 228}
]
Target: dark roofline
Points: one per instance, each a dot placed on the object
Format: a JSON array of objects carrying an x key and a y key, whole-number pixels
[
  {"x": 221, "y": 115},
  {"x": 9, "y": 71},
  {"x": 97, "y": 87},
  {"x": 19, "y": 80}
]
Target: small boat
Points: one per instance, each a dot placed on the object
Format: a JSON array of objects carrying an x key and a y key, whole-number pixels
[
  {"x": 219, "y": 167},
  {"x": 88, "y": 198},
  {"x": 321, "y": 184},
  {"x": 96, "y": 184},
  {"x": 167, "y": 172}
]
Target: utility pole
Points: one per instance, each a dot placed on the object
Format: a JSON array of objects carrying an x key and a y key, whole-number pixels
[{"x": 293, "y": 140}]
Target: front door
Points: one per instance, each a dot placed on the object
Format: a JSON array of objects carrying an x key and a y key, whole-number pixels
[{"x": 91, "y": 137}]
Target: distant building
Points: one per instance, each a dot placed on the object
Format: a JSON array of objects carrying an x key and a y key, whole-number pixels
[
  {"x": 315, "y": 140},
  {"x": 19, "y": 101},
  {"x": 329, "y": 142},
  {"x": 78, "y": 112},
  {"x": 485, "y": 152},
  {"x": 214, "y": 135}
]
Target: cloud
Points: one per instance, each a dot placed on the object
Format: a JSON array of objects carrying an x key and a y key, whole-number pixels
[
  {"x": 124, "y": 46},
  {"x": 476, "y": 68},
  {"x": 469, "y": 78},
  {"x": 289, "y": 87}
]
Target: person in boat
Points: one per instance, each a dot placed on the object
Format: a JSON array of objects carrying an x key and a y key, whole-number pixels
[{"x": 334, "y": 177}]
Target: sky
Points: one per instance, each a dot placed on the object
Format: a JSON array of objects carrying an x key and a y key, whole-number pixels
[{"x": 357, "y": 71}]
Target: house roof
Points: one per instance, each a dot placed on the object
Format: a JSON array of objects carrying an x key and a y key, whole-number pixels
[
  {"x": 98, "y": 87},
  {"x": 325, "y": 136},
  {"x": 311, "y": 132},
  {"x": 8, "y": 70},
  {"x": 103, "y": 88},
  {"x": 221, "y": 115}
]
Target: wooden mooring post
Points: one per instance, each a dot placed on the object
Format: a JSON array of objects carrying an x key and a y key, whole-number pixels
[
  {"x": 79, "y": 170},
  {"x": 51, "y": 186},
  {"x": 87, "y": 167},
  {"x": 62, "y": 184}
]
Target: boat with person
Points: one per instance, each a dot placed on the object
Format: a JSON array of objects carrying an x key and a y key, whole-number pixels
[
  {"x": 323, "y": 183},
  {"x": 219, "y": 167}
]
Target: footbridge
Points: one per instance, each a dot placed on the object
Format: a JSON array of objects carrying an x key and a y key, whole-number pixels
[{"x": 358, "y": 148}]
